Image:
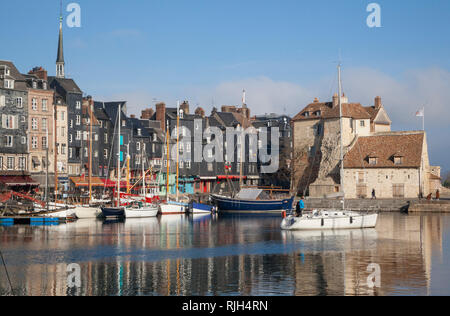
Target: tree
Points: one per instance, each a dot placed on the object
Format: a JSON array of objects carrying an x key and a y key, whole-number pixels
[{"x": 447, "y": 180}]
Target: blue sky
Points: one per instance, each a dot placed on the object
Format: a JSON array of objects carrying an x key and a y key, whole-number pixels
[{"x": 283, "y": 53}]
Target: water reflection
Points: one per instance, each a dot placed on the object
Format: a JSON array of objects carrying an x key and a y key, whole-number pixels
[{"x": 206, "y": 255}]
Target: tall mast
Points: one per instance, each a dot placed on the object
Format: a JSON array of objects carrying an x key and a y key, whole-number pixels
[
  {"x": 144, "y": 174},
  {"x": 168, "y": 162},
  {"x": 118, "y": 158},
  {"x": 178, "y": 147},
  {"x": 90, "y": 150},
  {"x": 55, "y": 146},
  {"x": 341, "y": 137},
  {"x": 241, "y": 165},
  {"x": 46, "y": 171}
]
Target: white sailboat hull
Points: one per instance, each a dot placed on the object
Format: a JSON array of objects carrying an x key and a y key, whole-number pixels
[
  {"x": 87, "y": 212},
  {"x": 68, "y": 214},
  {"x": 142, "y": 213},
  {"x": 169, "y": 208},
  {"x": 330, "y": 221}
]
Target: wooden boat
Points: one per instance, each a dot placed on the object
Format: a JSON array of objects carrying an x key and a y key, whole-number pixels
[
  {"x": 116, "y": 212},
  {"x": 87, "y": 212},
  {"x": 248, "y": 201},
  {"x": 172, "y": 207}
]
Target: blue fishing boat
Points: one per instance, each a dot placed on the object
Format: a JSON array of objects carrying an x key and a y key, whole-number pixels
[
  {"x": 198, "y": 208},
  {"x": 250, "y": 201}
]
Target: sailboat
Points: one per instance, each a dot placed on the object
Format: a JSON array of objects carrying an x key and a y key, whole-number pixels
[
  {"x": 142, "y": 209},
  {"x": 249, "y": 200},
  {"x": 117, "y": 211},
  {"x": 173, "y": 207},
  {"x": 332, "y": 219}
]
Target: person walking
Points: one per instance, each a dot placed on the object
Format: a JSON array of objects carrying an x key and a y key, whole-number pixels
[{"x": 374, "y": 196}]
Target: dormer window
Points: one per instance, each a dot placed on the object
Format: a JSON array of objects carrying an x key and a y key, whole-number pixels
[
  {"x": 139, "y": 132},
  {"x": 306, "y": 114},
  {"x": 398, "y": 160},
  {"x": 181, "y": 114},
  {"x": 318, "y": 113},
  {"x": 34, "y": 84},
  {"x": 7, "y": 72},
  {"x": 44, "y": 85},
  {"x": 373, "y": 161},
  {"x": 9, "y": 84}
]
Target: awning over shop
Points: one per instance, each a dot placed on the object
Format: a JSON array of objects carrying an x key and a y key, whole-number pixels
[
  {"x": 230, "y": 177},
  {"x": 15, "y": 181},
  {"x": 84, "y": 181},
  {"x": 113, "y": 184}
]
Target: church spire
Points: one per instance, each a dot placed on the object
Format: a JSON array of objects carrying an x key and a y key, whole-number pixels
[{"x": 60, "y": 57}]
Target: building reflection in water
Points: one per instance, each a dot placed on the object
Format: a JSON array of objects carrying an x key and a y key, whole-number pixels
[{"x": 201, "y": 255}]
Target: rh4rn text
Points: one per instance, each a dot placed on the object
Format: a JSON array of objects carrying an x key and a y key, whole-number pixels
[{"x": 231, "y": 306}]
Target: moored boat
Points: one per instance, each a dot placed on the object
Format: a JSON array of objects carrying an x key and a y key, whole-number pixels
[
  {"x": 330, "y": 220},
  {"x": 142, "y": 212},
  {"x": 86, "y": 212},
  {"x": 250, "y": 201},
  {"x": 172, "y": 207},
  {"x": 116, "y": 212},
  {"x": 199, "y": 208}
]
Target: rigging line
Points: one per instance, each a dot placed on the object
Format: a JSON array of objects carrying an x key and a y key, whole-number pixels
[
  {"x": 7, "y": 274},
  {"x": 110, "y": 153}
]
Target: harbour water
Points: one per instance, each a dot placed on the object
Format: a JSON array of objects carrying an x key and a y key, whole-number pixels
[{"x": 207, "y": 255}]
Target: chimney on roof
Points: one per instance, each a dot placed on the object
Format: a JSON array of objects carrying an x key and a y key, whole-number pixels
[
  {"x": 335, "y": 100},
  {"x": 344, "y": 99},
  {"x": 200, "y": 112},
  {"x": 161, "y": 114},
  {"x": 316, "y": 100},
  {"x": 378, "y": 103},
  {"x": 39, "y": 72},
  {"x": 228, "y": 108},
  {"x": 185, "y": 107},
  {"x": 147, "y": 114}
]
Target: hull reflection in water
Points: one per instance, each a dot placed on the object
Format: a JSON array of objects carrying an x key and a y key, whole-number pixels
[{"x": 180, "y": 255}]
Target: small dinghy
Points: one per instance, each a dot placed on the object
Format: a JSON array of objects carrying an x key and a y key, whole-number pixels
[
  {"x": 330, "y": 220},
  {"x": 198, "y": 208}
]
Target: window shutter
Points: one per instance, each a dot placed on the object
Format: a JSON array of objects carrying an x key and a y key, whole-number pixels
[
  {"x": 4, "y": 118},
  {"x": 2, "y": 100}
]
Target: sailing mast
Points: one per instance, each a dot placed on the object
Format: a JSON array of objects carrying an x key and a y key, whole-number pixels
[
  {"x": 178, "y": 148},
  {"x": 118, "y": 158},
  {"x": 168, "y": 162},
  {"x": 341, "y": 137},
  {"x": 241, "y": 165},
  {"x": 90, "y": 150}
]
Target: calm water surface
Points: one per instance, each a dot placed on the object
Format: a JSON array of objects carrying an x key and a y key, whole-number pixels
[{"x": 204, "y": 255}]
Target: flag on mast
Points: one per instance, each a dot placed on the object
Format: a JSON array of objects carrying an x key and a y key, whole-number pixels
[{"x": 421, "y": 113}]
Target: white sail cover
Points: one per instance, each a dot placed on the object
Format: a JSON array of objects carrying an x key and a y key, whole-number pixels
[{"x": 249, "y": 194}]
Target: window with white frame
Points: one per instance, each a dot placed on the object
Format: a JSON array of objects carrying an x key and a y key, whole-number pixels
[
  {"x": 34, "y": 123},
  {"x": 188, "y": 164},
  {"x": 24, "y": 140},
  {"x": 1, "y": 163},
  {"x": 78, "y": 122},
  {"x": 78, "y": 135},
  {"x": 106, "y": 138},
  {"x": 2, "y": 101},
  {"x": 10, "y": 163},
  {"x": 9, "y": 121},
  {"x": 78, "y": 105},
  {"x": 138, "y": 146},
  {"x": 44, "y": 105},
  {"x": 96, "y": 154},
  {"x": 9, "y": 84},
  {"x": 63, "y": 115},
  {"x": 44, "y": 124},
  {"x": 9, "y": 141},
  {"x": 19, "y": 103},
  {"x": 86, "y": 153},
  {"x": 34, "y": 142},
  {"x": 70, "y": 138},
  {"x": 105, "y": 153},
  {"x": 22, "y": 163},
  {"x": 34, "y": 105},
  {"x": 70, "y": 155}
]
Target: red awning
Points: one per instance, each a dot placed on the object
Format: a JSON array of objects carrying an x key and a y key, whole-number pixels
[
  {"x": 113, "y": 184},
  {"x": 15, "y": 181},
  {"x": 230, "y": 177}
]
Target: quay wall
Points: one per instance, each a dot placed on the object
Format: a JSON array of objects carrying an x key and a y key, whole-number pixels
[
  {"x": 379, "y": 205},
  {"x": 442, "y": 206}
]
